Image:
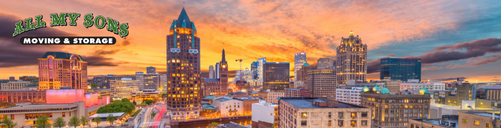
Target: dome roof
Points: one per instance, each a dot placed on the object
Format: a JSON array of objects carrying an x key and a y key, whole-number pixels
[
  {"x": 210, "y": 97},
  {"x": 384, "y": 91},
  {"x": 306, "y": 64},
  {"x": 424, "y": 91},
  {"x": 365, "y": 89},
  {"x": 375, "y": 88}
]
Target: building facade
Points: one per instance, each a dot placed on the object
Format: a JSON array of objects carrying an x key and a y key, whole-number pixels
[
  {"x": 299, "y": 60},
  {"x": 146, "y": 94},
  {"x": 264, "y": 114},
  {"x": 19, "y": 96},
  {"x": 351, "y": 60},
  {"x": 228, "y": 106},
  {"x": 123, "y": 88},
  {"x": 247, "y": 104},
  {"x": 276, "y": 76},
  {"x": 103, "y": 81},
  {"x": 271, "y": 97},
  {"x": 400, "y": 68},
  {"x": 211, "y": 72},
  {"x": 297, "y": 92},
  {"x": 15, "y": 85},
  {"x": 395, "y": 111},
  {"x": 296, "y": 112},
  {"x": 322, "y": 83},
  {"x": 478, "y": 120},
  {"x": 351, "y": 95},
  {"x": 30, "y": 113},
  {"x": 414, "y": 87},
  {"x": 325, "y": 63},
  {"x": 151, "y": 81},
  {"x": 151, "y": 69},
  {"x": 59, "y": 69},
  {"x": 183, "y": 69}
]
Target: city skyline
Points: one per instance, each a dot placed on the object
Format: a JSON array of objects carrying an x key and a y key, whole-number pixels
[{"x": 465, "y": 43}]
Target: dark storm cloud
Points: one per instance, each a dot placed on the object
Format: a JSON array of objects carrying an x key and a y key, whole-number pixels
[
  {"x": 13, "y": 53},
  {"x": 474, "y": 50}
]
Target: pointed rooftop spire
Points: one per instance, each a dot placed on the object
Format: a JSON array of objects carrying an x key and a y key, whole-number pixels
[
  {"x": 223, "y": 57},
  {"x": 183, "y": 17},
  {"x": 351, "y": 33}
]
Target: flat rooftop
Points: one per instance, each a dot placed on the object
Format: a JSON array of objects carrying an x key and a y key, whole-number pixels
[
  {"x": 305, "y": 102},
  {"x": 437, "y": 122},
  {"x": 32, "y": 106},
  {"x": 487, "y": 114}
]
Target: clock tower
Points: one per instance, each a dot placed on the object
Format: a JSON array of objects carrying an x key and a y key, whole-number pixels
[{"x": 223, "y": 73}]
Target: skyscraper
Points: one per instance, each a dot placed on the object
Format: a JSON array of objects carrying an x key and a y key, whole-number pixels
[
  {"x": 183, "y": 69},
  {"x": 299, "y": 60},
  {"x": 216, "y": 74},
  {"x": 325, "y": 63},
  {"x": 59, "y": 69},
  {"x": 351, "y": 60},
  {"x": 322, "y": 83},
  {"x": 223, "y": 71},
  {"x": 276, "y": 76},
  {"x": 140, "y": 78},
  {"x": 151, "y": 69},
  {"x": 211, "y": 72},
  {"x": 400, "y": 68},
  {"x": 260, "y": 71}
]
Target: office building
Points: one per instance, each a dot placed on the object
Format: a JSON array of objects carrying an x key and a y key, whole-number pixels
[
  {"x": 140, "y": 78},
  {"x": 297, "y": 92},
  {"x": 349, "y": 95},
  {"x": 465, "y": 91},
  {"x": 322, "y": 83},
  {"x": 216, "y": 72},
  {"x": 151, "y": 69},
  {"x": 400, "y": 68},
  {"x": 183, "y": 69},
  {"x": 151, "y": 81},
  {"x": 31, "y": 79},
  {"x": 59, "y": 69},
  {"x": 489, "y": 93},
  {"x": 351, "y": 59},
  {"x": 163, "y": 83},
  {"x": 123, "y": 88},
  {"x": 395, "y": 111},
  {"x": 299, "y": 60},
  {"x": 260, "y": 69},
  {"x": 325, "y": 63},
  {"x": 12, "y": 78},
  {"x": 299, "y": 112},
  {"x": 276, "y": 76},
  {"x": 302, "y": 75},
  {"x": 211, "y": 72},
  {"x": 254, "y": 66},
  {"x": 245, "y": 75},
  {"x": 103, "y": 81},
  {"x": 414, "y": 87},
  {"x": 15, "y": 85},
  {"x": 265, "y": 115}
]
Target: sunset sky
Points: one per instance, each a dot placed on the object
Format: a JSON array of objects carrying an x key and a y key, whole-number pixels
[{"x": 454, "y": 38}]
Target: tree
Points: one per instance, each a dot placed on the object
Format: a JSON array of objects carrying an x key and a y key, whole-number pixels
[
  {"x": 110, "y": 119},
  {"x": 134, "y": 102},
  {"x": 7, "y": 122},
  {"x": 84, "y": 121},
  {"x": 74, "y": 121},
  {"x": 148, "y": 101},
  {"x": 43, "y": 122},
  {"x": 125, "y": 100},
  {"x": 92, "y": 85},
  {"x": 59, "y": 122},
  {"x": 97, "y": 120}
]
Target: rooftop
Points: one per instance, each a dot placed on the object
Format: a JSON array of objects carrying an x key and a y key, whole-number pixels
[
  {"x": 305, "y": 102},
  {"x": 487, "y": 114},
  {"x": 60, "y": 55},
  {"x": 438, "y": 122},
  {"x": 246, "y": 98},
  {"x": 116, "y": 114},
  {"x": 37, "y": 106},
  {"x": 223, "y": 99},
  {"x": 232, "y": 125}
]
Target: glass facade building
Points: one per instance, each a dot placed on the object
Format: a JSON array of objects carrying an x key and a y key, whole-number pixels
[{"x": 401, "y": 69}]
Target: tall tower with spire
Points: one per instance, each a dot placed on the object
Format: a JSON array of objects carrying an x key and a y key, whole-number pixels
[
  {"x": 351, "y": 60},
  {"x": 223, "y": 73},
  {"x": 183, "y": 69}
]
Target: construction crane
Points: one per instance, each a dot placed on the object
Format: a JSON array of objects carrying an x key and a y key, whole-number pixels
[{"x": 240, "y": 60}]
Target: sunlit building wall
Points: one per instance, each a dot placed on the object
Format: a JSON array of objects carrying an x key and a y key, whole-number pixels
[
  {"x": 351, "y": 60},
  {"x": 123, "y": 88},
  {"x": 276, "y": 76},
  {"x": 299, "y": 60},
  {"x": 58, "y": 69},
  {"x": 15, "y": 85}
]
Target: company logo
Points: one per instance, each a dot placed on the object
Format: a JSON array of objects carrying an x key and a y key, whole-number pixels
[{"x": 62, "y": 19}]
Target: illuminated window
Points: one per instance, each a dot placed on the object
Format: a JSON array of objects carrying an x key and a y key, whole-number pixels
[
  {"x": 329, "y": 123},
  {"x": 487, "y": 125},
  {"x": 353, "y": 123},
  {"x": 64, "y": 114},
  {"x": 303, "y": 114},
  {"x": 353, "y": 114},
  {"x": 476, "y": 123},
  {"x": 465, "y": 121}
]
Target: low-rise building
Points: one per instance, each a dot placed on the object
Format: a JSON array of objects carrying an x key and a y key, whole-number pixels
[
  {"x": 123, "y": 88},
  {"x": 265, "y": 115},
  {"x": 271, "y": 97},
  {"x": 146, "y": 94},
  {"x": 309, "y": 112},
  {"x": 414, "y": 86},
  {"x": 447, "y": 121},
  {"x": 19, "y": 96},
  {"x": 25, "y": 115},
  {"x": 478, "y": 120},
  {"x": 228, "y": 106},
  {"x": 15, "y": 85},
  {"x": 351, "y": 96},
  {"x": 247, "y": 103},
  {"x": 297, "y": 92}
]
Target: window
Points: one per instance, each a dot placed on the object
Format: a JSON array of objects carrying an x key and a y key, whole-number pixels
[
  {"x": 64, "y": 114},
  {"x": 340, "y": 123},
  {"x": 353, "y": 123},
  {"x": 340, "y": 114},
  {"x": 329, "y": 114},
  {"x": 303, "y": 123},
  {"x": 364, "y": 122},
  {"x": 303, "y": 114},
  {"x": 353, "y": 114},
  {"x": 12, "y": 117},
  {"x": 487, "y": 125},
  {"x": 464, "y": 121},
  {"x": 477, "y": 123},
  {"x": 329, "y": 123}
]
